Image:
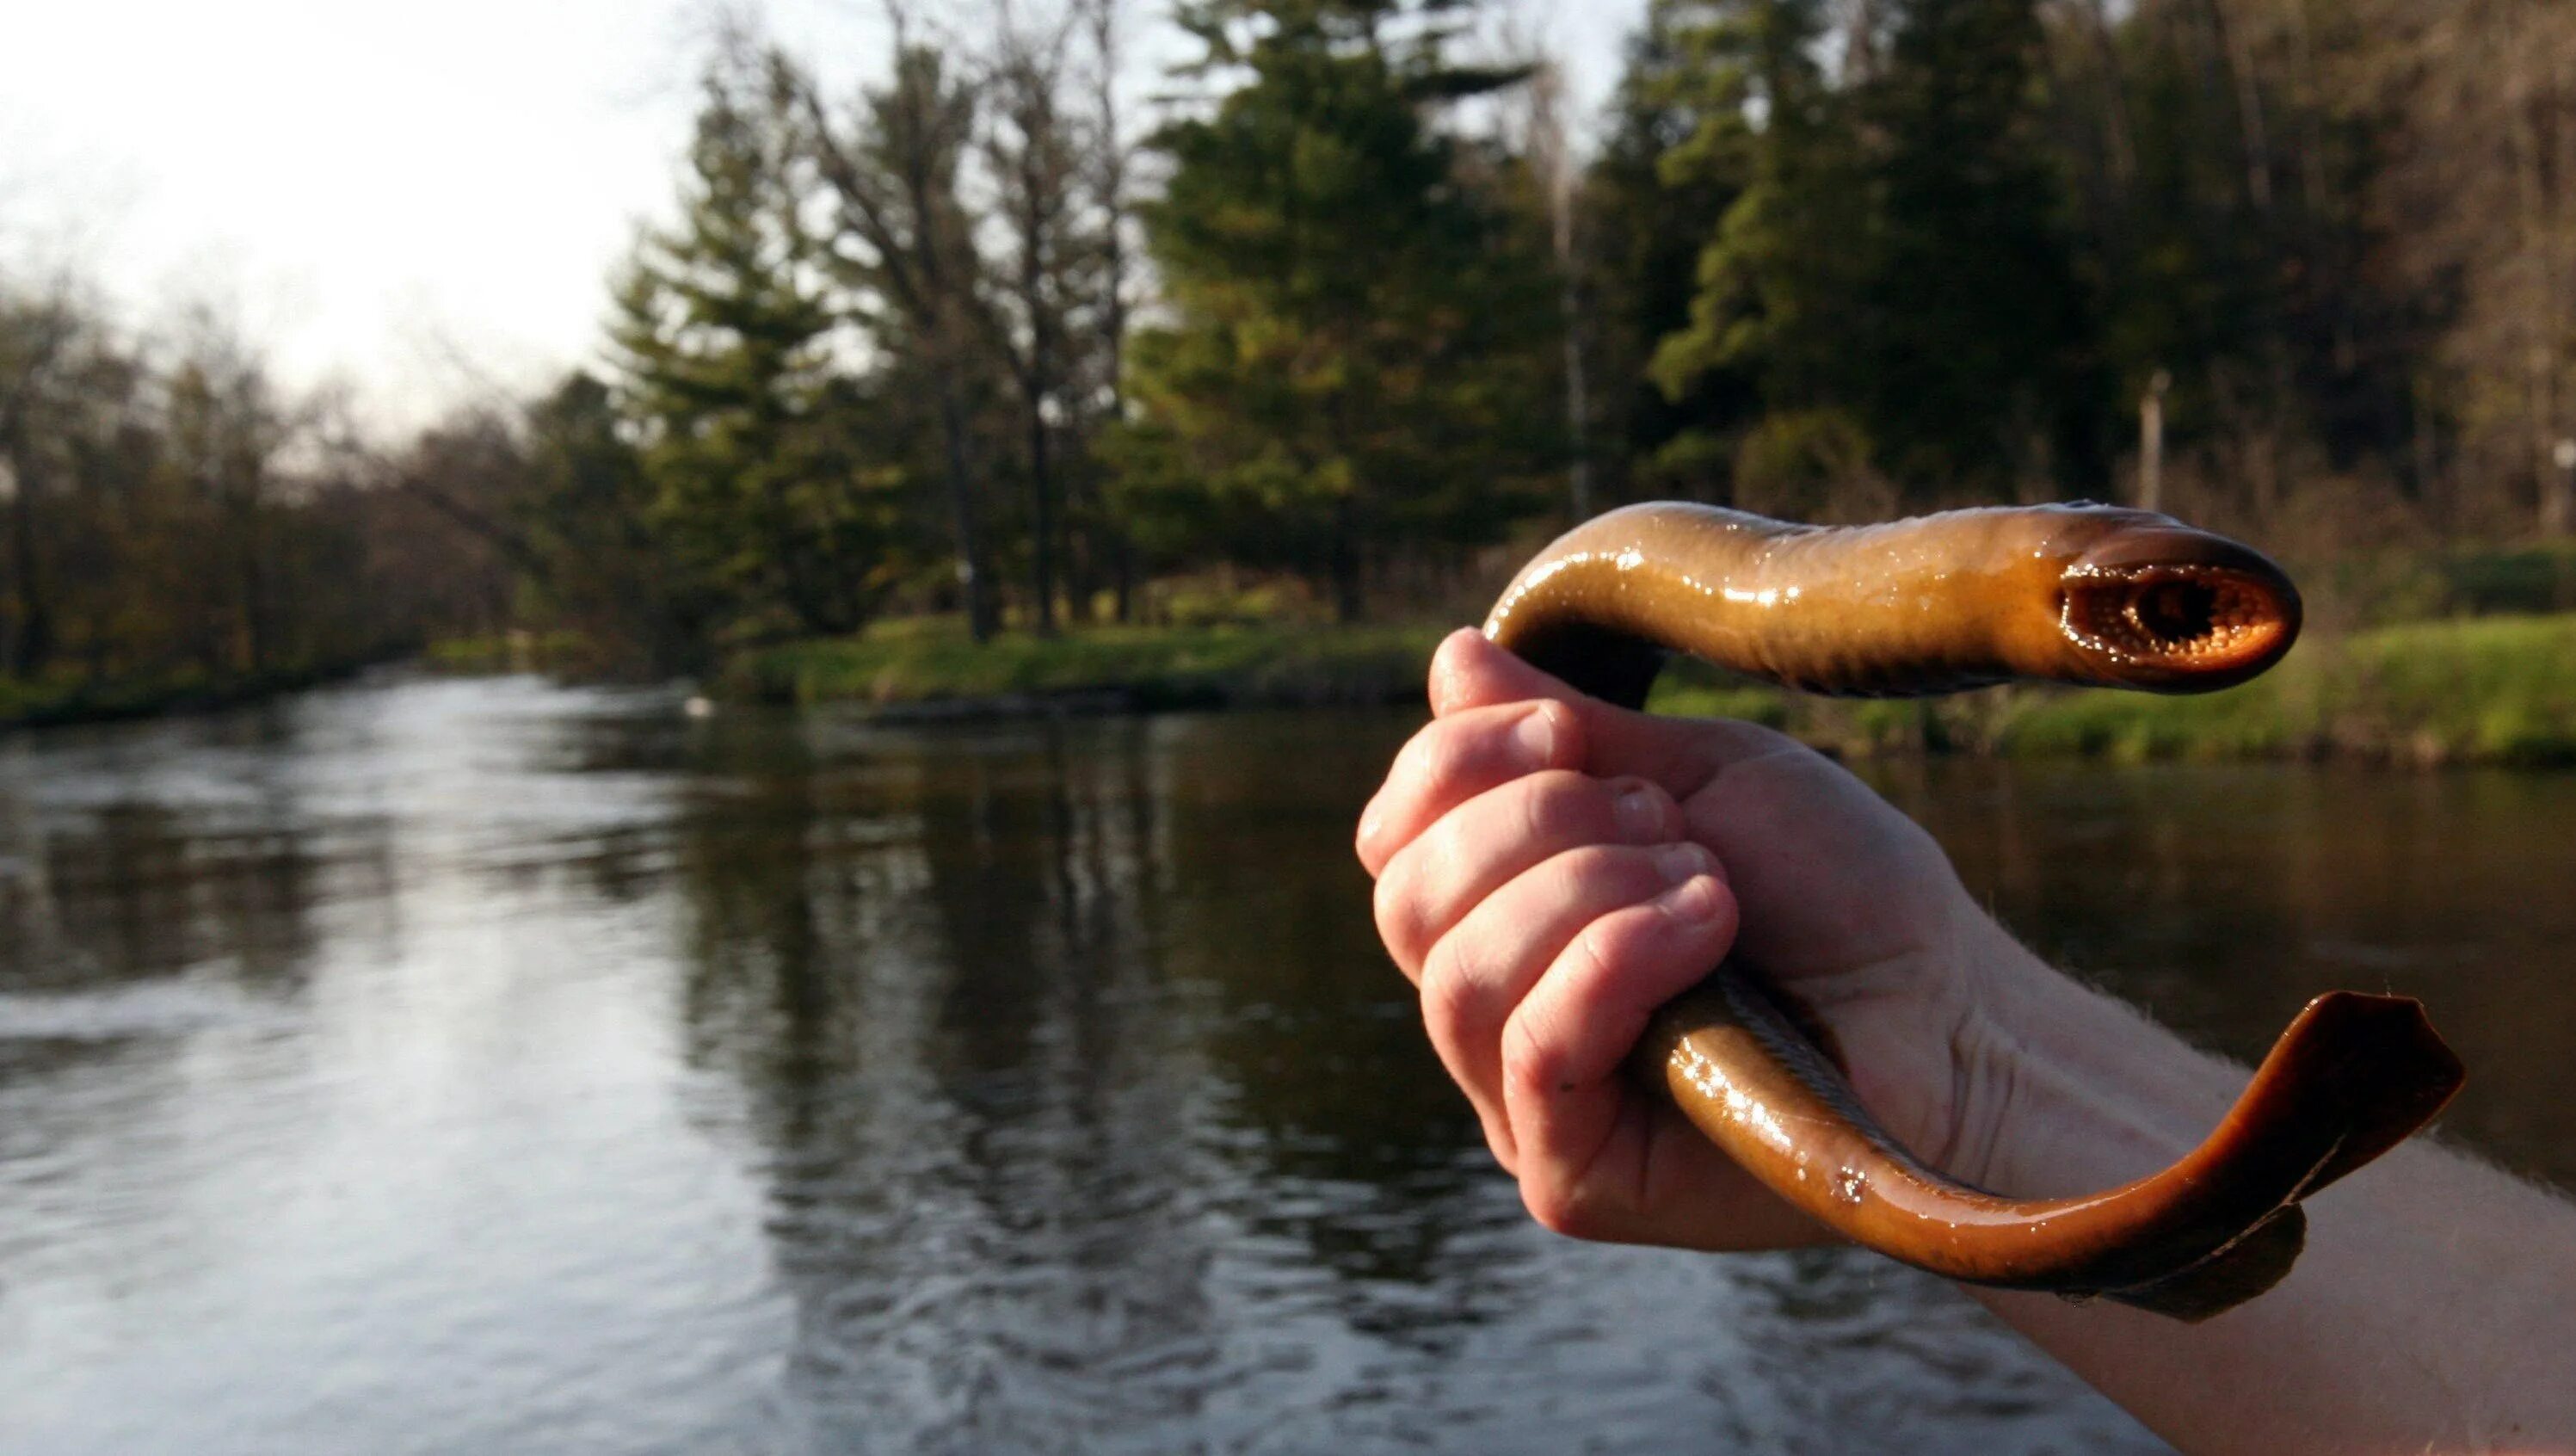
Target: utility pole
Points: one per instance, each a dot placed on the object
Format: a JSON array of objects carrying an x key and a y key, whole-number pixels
[
  {"x": 2151, "y": 442},
  {"x": 2558, "y": 494}
]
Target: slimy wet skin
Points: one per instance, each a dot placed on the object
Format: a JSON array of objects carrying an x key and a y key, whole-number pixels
[
  {"x": 2078, "y": 594},
  {"x": 1934, "y": 604}
]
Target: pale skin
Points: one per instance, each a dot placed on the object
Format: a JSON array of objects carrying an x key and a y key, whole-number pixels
[{"x": 1550, "y": 869}]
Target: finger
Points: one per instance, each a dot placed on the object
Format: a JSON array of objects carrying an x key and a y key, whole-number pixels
[
  {"x": 1480, "y": 846},
  {"x": 1482, "y": 968},
  {"x": 1470, "y": 673},
  {"x": 1659, "y": 1180},
  {"x": 1563, "y": 1045},
  {"x": 1458, "y": 757}
]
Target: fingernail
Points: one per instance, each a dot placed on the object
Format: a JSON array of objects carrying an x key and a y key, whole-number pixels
[
  {"x": 1535, "y": 738},
  {"x": 1694, "y": 901},
  {"x": 1680, "y": 861},
  {"x": 1639, "y": 813}
]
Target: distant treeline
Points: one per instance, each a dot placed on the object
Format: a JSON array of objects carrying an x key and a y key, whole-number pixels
[
  {"x": 173, "y": 526},
  {"x": 1349, "y": 304}
]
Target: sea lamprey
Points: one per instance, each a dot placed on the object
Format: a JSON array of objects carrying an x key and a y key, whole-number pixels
[{"x": 2080, "y": 594}]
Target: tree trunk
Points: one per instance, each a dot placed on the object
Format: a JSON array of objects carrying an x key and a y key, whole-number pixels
[
  {"x": 1081, "y": 543},
  {"x": 1578, "y": 408},
  {"x": 1042, "y": 514},
  {"x": 972, "y": 578},
  {"x": 2238, "y": 52},
  {"x": 1346, "y": 561},
  {"x": 1112, "y": 184},
  {"x": 31, "y": 646},
  {"x": 2115, "y": 120},
  {"x": 254, "y": 590},
  {"x": 2540, "y": 359},
  {"x": 2151, "y": 443}
]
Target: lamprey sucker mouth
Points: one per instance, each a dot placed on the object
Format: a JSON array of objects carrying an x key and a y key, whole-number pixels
[
  {"x": 2171, "y": 609},
  {"x": 2178, "y": 628}
]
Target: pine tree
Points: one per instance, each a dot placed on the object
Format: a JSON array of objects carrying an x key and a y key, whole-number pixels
[
  {"x": 724, "y": 337},
  {"x": 1360, "y": 354},
  {"x": 906, "y": 250},
  {"x": 1781, "y": 281},
  {"x": 1671, "y": 165},
  {"x": 1973, "y": 372}
]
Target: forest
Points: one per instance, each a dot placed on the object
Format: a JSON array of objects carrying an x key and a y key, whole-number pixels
[{"x": 1353, "y": 307}]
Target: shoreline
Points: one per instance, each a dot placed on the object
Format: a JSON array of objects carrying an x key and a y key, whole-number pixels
[
  {"x": 2476, "y": 690},
  {"x": 2466, "y": 691},
  {"x": 26, "y": 709}
]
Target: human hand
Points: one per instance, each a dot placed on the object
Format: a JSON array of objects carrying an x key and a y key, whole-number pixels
[
  {"x": 1551, "y": 869},
  {"x": 1543, "y": 927}
]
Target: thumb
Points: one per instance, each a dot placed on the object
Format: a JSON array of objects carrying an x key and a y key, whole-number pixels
[{"x": 1680, "y": 754}]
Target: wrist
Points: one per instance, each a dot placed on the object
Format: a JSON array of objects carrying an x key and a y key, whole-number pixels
[{"x": 2060, "y": 1089}]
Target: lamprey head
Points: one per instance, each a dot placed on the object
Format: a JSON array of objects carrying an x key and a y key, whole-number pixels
[{"x": 2171, "y": 609}]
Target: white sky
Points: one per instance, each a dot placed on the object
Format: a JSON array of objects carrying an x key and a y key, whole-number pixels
[{"x": 421, "y": 201}]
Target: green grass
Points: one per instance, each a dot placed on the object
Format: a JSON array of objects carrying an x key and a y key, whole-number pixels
[
  {"x": 516, "y": 651},
  {"x": 73, "y": 698},
  {"x": 2473, "y": 690},
  {"x": 931, "y": 660},
  {"x": 2484, "y": 690}
]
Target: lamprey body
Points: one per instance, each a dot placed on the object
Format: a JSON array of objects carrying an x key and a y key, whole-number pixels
[{"x": 2063, "y": 593}]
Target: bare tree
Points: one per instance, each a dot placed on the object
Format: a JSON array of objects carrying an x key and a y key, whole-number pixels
[
  {"x": 1559, "y": 173},
  {"x": 893, "y": 168},
  {"x": 1035, "y": 156},
  {"x": 2486, "y": 176},
  {"x": 1110, "y": 177},
  {"x": 228, "y": 428},
  {"x": 39, "y": 338}
]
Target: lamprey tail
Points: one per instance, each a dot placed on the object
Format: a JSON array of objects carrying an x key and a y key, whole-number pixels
[{"x": 2218, "y": 1227}]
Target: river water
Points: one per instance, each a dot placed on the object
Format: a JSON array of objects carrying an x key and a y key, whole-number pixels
[{"x": 484, "y": 1065}]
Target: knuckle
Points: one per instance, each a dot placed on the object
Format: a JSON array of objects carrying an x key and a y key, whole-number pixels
[
  {"x": 1534, "y": 1065},
  {"x": 1464, "y": 750},
  {"x": 1556, "y": 1203},
  {"x": 1453, "y": 989},
  {"x": 1439, "y": 754},
  {"x": 1611, "y": 945},
  {"x": 1398, "y": 910},
  {"x": 1560, "y": 806},
  {"x": 1606, "y": 874}
]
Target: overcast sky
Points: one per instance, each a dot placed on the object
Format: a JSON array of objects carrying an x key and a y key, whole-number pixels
[{"x": 420, "y": 200}]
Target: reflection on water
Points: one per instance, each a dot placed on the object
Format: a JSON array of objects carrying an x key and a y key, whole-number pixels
[{"x": 438, "y": 1066}]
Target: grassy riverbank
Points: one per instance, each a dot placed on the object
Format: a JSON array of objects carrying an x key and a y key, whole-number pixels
[
  {"x": 929, "y": 666},
  {"x": 515, "y": 651},
  {"x": 54, "y": 701},
  {"x": 2474, "y": 690}
]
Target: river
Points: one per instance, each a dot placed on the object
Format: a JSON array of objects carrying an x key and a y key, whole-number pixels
[{"x": 436, "y": 1065}]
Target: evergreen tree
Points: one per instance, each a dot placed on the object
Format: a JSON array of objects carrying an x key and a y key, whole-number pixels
[
  {"x": 1035, "y": 153},
  {"x": 724, "y": 334},
  {"x": 590, "y": 521},
  {"x": 1360, "y": 350},
  {"x": 1781, "y": 282},
  {"x": 1892, "y": 275},
  {"x": 1972, "y": 374},
  {"x": 1671, "y": 165},
  {"x": 905, "y": 251}
]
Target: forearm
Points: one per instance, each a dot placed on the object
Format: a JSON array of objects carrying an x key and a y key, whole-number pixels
[{"x": 2433, "y": 1310}]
